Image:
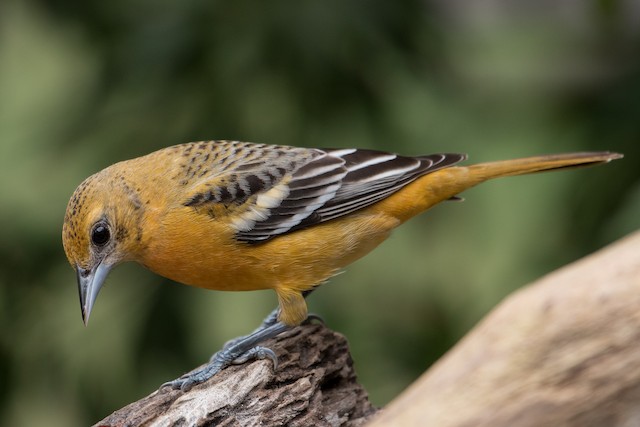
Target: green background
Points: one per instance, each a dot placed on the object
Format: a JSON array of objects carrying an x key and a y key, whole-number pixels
[{"x": 85, "y": 84}]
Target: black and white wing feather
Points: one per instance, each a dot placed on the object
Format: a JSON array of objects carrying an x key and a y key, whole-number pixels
[
  {"x": 340, "y": 182},
  {"x": 286, "y": 188}
]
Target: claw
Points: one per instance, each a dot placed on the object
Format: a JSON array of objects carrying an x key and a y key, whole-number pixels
[
  {"x": 314, "y": 317},
  {"x": 257, "y": 353},
  {"x": 177, "y": 384},
  {"x": 188, "y": 381},
  {"x": 165, "y": 387}
]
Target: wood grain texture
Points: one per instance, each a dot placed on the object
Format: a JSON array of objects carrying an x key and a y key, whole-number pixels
[{"x": 564, "y": 351}]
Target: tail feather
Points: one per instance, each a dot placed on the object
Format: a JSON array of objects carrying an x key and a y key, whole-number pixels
[
  {"x": 447, "y": 183},
  {"x": 540, "y": 164}
]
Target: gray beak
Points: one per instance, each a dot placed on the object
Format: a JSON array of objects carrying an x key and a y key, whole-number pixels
[{"x": 89, "y": 284}]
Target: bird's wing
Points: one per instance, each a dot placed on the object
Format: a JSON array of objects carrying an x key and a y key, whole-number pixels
[{"x": 276, "y": 189}]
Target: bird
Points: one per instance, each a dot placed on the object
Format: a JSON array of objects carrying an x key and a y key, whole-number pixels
[{"x": 238, "y": 216}]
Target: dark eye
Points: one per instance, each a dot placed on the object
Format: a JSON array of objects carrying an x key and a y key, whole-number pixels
[{"x": 100, "y": 235}]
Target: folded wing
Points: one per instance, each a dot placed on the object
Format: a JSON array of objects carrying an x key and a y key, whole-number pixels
[{"x": 339, "y": 182}]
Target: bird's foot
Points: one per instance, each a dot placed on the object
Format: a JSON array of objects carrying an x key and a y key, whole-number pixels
[
  {"x": 218, "y": 362},
  {"x": 256, "y": 353},
  {"x": 237, "y": 351}
]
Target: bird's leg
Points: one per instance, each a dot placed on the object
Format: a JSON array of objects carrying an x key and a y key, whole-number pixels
[
  {"x": 237, "y": 351},
  {"x": 271, "y": 319}
]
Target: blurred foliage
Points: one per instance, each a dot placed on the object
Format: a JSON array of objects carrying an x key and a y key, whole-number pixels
[{"x": 85, "y": 84}]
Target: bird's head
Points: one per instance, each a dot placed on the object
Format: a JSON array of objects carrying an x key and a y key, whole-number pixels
[{"x": 101, "y": 229}]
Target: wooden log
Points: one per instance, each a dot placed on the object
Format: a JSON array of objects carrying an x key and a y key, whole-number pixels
[{"x": 564, "y": 351}]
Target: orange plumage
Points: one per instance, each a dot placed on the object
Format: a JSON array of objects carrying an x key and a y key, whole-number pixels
[{"x": 237, "y": 216}]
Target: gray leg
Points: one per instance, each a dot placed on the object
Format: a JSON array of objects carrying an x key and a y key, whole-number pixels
[{"x": 271, "y": 319}]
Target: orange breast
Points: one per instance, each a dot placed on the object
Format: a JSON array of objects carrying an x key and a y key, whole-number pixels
[{"x": 197, "y": 250}]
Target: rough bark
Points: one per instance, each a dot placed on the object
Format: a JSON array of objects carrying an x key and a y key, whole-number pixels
[
  {"x": 564, "y": 351},
  {"x": 314, "y": 385}
]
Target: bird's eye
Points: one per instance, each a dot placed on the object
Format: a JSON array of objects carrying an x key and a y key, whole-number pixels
[{"x": 100, "y": 235}]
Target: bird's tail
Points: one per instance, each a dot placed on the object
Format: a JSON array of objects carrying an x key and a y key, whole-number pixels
[
  {"x": 447, "y": 183},
  {"x": 489, "y": 170}
]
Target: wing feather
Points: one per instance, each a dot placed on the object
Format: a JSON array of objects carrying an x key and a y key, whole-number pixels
[
  {"x": 272, "y": 190},
  {"x": 320, "y": 194}
]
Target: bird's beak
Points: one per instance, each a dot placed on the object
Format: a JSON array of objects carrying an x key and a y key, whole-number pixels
[{"x": 89, "y": 284}]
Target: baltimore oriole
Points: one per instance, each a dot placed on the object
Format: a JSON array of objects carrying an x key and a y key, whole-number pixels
[{"x": 238, "y": 216}]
